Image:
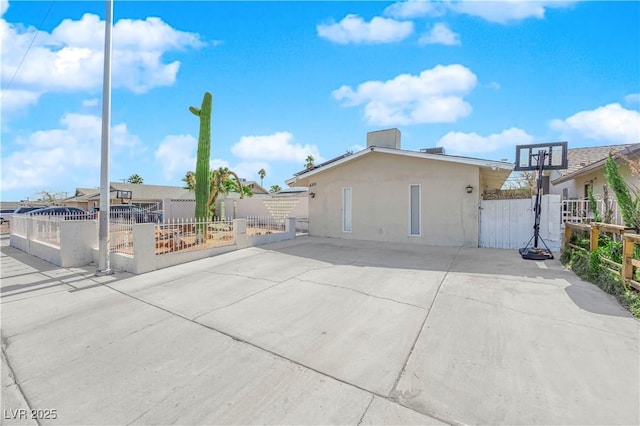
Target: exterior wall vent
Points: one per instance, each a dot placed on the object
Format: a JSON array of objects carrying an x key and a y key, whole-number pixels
[{"x": 438, "y": 150}]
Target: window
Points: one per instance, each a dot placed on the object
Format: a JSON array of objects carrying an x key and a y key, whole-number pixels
[
  {"x": 346, "y": 209},
  {"x": 414, "y": 209}
]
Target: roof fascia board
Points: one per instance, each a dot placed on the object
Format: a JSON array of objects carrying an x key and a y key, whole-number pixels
[
  {"x": 438, "y": 157},
  {"x": 631, "y": 151}
]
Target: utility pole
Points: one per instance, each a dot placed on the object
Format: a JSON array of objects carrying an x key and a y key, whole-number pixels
[{"x": 104, "y": 264}]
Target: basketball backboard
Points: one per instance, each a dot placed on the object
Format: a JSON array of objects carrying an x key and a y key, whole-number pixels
[
  {"x": 123, "y": 195},
  {"x": 553, "y": 154}
]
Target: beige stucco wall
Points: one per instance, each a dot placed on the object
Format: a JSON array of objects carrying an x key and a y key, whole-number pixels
[
  {"x": 575, "y": 187},
  {"x": 380, "y": 197}
]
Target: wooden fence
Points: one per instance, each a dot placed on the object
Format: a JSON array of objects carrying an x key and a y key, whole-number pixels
[{"x": 629, "y": 242}]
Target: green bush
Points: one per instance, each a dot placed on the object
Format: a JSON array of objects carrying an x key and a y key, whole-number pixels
[
  {"x": 631, "y": 300},
  {"x": 590, "y": 268}
]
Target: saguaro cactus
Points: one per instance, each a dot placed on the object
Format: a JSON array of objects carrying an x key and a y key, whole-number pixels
[{"x": 204, "y": 152}]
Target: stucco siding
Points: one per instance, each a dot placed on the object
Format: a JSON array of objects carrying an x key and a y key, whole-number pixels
[
  {"x": 381, "y": 198},
  {"x": 575, "y": 186}
]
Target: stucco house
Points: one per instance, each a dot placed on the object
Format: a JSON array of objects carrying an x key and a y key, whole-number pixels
[
  {"x": 586, "y": 170},
  {"x": 143, "y": 195},
  {"x": 384, "y": 193}
]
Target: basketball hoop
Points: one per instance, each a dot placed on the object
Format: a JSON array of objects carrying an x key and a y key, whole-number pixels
[
  {"x": 125, "y": 196},
  {"x": 538, "y": 157}
]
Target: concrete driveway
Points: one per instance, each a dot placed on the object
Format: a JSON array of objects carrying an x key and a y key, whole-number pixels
[{"x": 318, "y": 331}]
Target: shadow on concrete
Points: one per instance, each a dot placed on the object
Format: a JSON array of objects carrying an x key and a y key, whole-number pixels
[
  {"x": 590, "y": 297},
  {"x": 483, "y": 261},
  {"x": 24, "y": 274}
]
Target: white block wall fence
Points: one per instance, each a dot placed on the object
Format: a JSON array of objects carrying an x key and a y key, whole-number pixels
[{"x": 74, "y": 243}]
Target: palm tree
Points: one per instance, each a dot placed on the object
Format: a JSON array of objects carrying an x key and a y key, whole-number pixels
[
  {"x": 275, "y": 188},
  {"x": 135, "y": 178},
  {"x": 309, "y": 164},
  {"x": 262, "y": 173}
]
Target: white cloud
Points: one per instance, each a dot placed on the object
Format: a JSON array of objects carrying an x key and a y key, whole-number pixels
[
  {"x": 469, "y": 143},
  {"x": 440, "y": 34},
  {"x": 70, "y": 58},
  {"x": 276, "y": 147},
  {"x": 176, "y": 155},
  {"x": 415, "y": 9},
  {"x": 4, "y": 5},
  {"x": 353, "y": 29},
  {"x": 503, "y": 11},
  {"x": 433, "y": 96},
  {"x": 356, "y": 148},
  {"x": 609, "y": 123},
  {"x": 17, "y": 100},
  {"x": 90, "y": 102},
  {"x": 632, "y": 98},
  {"x": 506, "y": 11},
  {"x": 51, "y": 158}
]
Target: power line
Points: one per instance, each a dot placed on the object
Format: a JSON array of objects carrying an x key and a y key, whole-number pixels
[{"x": 28, "y": 48}]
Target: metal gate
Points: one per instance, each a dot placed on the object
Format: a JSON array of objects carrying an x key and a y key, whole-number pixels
[{"x": 508, "y": 224}]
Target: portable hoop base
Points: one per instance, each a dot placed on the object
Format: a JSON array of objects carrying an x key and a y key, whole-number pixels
[{"x": 535, "y": 253}]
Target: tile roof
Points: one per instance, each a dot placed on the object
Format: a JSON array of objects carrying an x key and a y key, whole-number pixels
[
  {"x": 140, "y": 192},
  {"x": 582, "y": 157}
]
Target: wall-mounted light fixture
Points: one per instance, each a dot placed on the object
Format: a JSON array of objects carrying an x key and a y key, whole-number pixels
[
  {"x": 469, "y": 189},
  {"x": 312, "y": 194}
]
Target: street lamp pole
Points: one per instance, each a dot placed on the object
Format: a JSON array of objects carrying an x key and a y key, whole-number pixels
[{"x": 104, "y": 266}]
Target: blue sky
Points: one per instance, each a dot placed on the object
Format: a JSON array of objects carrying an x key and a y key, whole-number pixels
[{"x": 291, "y": 79}]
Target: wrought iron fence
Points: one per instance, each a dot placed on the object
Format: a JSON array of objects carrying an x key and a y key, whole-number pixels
[
  {"x": 46, "y": 229},
  {"x": 261, "y": 225},
  {"x": 191, "y": 234},
  {"x": 121, "y": 235},
  {"x": 19, "y": 225}
]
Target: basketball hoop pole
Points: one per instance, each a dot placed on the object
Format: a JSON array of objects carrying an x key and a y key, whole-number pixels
[
  {"x": 536, "y": 253},
  {"x": 538, "y": 206}
]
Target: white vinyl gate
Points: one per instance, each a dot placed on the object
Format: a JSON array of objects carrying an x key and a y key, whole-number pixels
[{"x": 508, "y": 224}]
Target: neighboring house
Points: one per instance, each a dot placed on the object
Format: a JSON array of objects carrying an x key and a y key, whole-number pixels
[
  {"x": 255, "y": 187},
  {"x": 143, "y": 195},
  {"x": 383, "y": 193},
  {"x": 586, "y": 170}
]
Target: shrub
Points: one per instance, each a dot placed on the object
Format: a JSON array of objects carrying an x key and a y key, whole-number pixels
[{"x": 590, "y": 268}]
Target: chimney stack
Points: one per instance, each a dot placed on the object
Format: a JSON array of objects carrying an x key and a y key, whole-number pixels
[{"x": 389, "y": 138}]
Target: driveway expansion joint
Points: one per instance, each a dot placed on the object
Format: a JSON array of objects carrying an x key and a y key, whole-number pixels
[
  {"x": 14, "y": 379},
  {"x": 237, "y": 301},
  {"x": 280, "y": 356},
  {"x": 362, "y": 292},
  {"x": 535, "y": 315},
  {"x": 424, "y": 322},
  {"x": 364, "y": 413}
]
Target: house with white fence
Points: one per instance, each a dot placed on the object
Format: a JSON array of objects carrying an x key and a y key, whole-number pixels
[
  {"x": 585, "y": 173},
  {"x": 385, "y": 193}
]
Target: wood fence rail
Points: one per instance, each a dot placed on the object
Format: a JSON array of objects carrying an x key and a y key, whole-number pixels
[{"x": 629, "y": 241}]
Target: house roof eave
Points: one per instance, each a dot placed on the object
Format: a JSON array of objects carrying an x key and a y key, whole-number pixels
[
  {"x": 493, "y": 165},
  {"x": 632, "y": 151}
]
